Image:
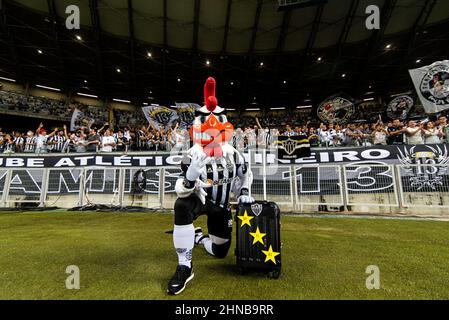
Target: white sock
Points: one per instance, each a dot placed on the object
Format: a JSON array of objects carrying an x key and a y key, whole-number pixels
[{"x": 184, "y": 240}]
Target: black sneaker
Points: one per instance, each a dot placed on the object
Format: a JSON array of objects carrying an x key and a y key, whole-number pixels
[{"x": 180, "y": 279}]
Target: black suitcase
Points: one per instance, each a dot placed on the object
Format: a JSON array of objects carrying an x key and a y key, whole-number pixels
[{"x": 257, "y": 223}]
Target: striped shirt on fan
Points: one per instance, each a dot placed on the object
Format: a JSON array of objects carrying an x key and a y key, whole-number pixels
[
  {"x": 265, "y": 139},
  {"x": 60, "y": 143},
  {"x": 8, "y": 147},
  {"x": 30, "y": 144},
  {"x": 269, "y": 139},
  {"x": 238, "y": 140},
  {"x": 141, "y": 143},
  {"x": 19, "y": 143}
]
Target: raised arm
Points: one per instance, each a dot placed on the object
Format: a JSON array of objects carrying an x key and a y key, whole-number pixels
[
  {"x": 39, "y": 128},
  {"x": 102, "y": 128},
  {"x": 258, "y": 124},
  {"x": 53, "y": 133},
  {"x": 65, "y": 132}
]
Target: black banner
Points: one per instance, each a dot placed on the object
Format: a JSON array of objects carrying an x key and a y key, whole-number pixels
[
  {"x": 424, "y": 169},
  {"x": 293, "y": 147},
  {"x": 171, "y": 309},
  {"x": 404, "y": 154}
]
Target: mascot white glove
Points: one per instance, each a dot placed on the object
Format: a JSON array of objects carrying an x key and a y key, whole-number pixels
[
  {"x": 199, "y": 160},
  {"x": 245, "y": 198}
]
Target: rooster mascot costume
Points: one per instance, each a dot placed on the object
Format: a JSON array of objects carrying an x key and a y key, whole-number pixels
[{"x": 211, "y": 169}]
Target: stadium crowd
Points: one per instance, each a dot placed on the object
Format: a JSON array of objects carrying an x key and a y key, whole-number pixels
[
  {"x": 19, "y": 103},
  {"x": 129, "y": 134},
  {"x": 110, "y": 138}
]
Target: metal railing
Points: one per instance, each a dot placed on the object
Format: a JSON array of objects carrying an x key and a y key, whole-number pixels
[
  {"x": 357, "y": 188},
  {"x": 424, "y": 186},
  {"x": 370, "y": 185}
]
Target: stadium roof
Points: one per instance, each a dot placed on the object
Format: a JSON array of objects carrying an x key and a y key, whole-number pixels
[{"x": 162, "y": 50}]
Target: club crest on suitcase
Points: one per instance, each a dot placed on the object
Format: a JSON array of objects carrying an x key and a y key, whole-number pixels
[{"x": 256, "y": 208}]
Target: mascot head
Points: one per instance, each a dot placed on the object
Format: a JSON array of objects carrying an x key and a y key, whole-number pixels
[{"x": 211, "y": 128}]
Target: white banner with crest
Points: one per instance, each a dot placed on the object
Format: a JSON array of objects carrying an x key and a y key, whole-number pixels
[{"x": 432, "y": 85}]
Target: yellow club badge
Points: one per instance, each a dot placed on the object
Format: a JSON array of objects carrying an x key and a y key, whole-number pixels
[
  {"x": 270, "y": 255},
  {"x": 258, "y": 236},
  {"x": 245, "y": 219}
]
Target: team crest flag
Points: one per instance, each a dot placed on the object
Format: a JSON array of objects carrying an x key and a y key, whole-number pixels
[
  {"x": 399, "y": 107},
  {"x": 337, "y": 109},
  {"x": 293, "y": 147},
  {"x": 160, "y": 117},
  {"x": 186, "y": 114},
  {"x": 432, "y": 85}
]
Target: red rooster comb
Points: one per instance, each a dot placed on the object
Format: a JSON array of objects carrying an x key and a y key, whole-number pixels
[{"x": 210, "y": 101}]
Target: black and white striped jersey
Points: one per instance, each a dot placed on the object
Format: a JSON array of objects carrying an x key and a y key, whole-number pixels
[
  {"x": 268, "y": 139},
  {"x": 30, "y": 144},
  {"x": 225, "y": 174},
  {"x": 8, "y": 146},
  {"x": 265, "y": 139},
  {"x": 19, "y": 143},
  {"x": 221, "y": 174},
  {"x": 60, "y": 143},
  {"x": 141, "y": 142},
  {"x": 238, "y": 140}
]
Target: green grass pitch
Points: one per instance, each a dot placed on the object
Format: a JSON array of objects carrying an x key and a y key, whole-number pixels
[{"x": 129, "y": 256}]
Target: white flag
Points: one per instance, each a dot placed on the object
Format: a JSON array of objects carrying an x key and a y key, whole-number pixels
[
  {"x": 80, "y": 120},
  {"x": 432, "y": 85},
  {"x": 186, "y": 114},
  {"x": 160, "y": 117}
]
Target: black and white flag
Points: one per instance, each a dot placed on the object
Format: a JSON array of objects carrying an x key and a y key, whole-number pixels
[
  {"x": 186, "y": 114},
  {"x": 399, "y": 107},
  {"x": 432, "y": 85},
  {"x": 293, "y": 147},
  {"x": 160, "y": 117},
  {"x": 80, "y": 120},
  {"x": 337, "y": 109}
]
